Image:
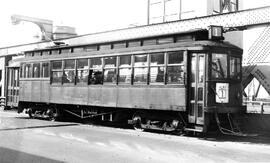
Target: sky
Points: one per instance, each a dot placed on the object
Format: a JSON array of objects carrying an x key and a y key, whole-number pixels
[{"x": 87, "y": 16}]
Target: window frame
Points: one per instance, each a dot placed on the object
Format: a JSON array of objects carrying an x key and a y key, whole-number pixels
[
  {"x": 119, "y": 82},
  {"x": 182, "y": 64},
  {"x": 77, "y": 81},
  {"x": 92, "y": 70},
  {"x": 135, "y": 67},
  {"x": 158, "y": 66},
  {"x": 64, "y": 79},
  {"x": 57, "y": 70},
  {"x": 110, "y": 68}
]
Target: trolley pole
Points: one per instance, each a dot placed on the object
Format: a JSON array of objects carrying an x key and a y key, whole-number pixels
[{"x": 148, "y": 12}]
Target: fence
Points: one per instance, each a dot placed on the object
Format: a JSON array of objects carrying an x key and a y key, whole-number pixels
[{"x": 262, "y": 107}]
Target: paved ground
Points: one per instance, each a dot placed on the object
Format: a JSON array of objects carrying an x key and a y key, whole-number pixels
[{"x": 31, "y": 140}]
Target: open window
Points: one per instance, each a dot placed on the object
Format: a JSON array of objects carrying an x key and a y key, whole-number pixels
[
  {"x": 82, "y": 71},
  {"x": 175, "y": 68},
  {"x": 69, "y": 71},
  {"x": 157, "y": 68},
  {"x": 95, "y": 72},
  {"x": 110, "y": 75},
  {"x": 140, "y": 69},
  {"x": 125, "y": 70},
  {"x": 57, "y": 72}
]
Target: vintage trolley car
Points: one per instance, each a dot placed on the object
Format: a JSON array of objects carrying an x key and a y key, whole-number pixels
[{"x": 175, "y": 82}]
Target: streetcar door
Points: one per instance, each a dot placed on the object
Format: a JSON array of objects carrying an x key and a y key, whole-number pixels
[
  {"x": 196, "y": 91},
  {"x": 12, "y": 86}
]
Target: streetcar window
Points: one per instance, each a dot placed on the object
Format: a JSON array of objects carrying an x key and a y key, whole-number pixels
[
  {"x": 105, "y": 47},
  {"x": 157, "y": 59},
  {"x": 82, "y": 70},
  {"x": 140, "y": 60},
  {"x": 36, "y": 70},
  {"x": 22, "y": 70},
  {"x": 91, "y": 48},
  {"x": 119, "y": 45},
  {"x": 56, "y": 65},
  {"x": 109, "y": 62},
  {"x": 124, "y": 69},
  {"x": 69, "y": 71},
  {"x": 157, "y": 68},
  {"x": 57, "y": 72},
  {"x": 140, "y": 69},
  {"x": 176, "y": 57},
  {"x": 78, "y": 49},
  {"x": 175, "y": 75},
  {"x": 235, "y": 66},
  {"x": 95, "y": 76},
  {"x": 110, "y": 70},
  {"x": 109, "y": 76},
  {"x": 149, "y": 42},
  {"x": 175, "y": 68},
  {"x": 45, "y": 53},
  {"x": 125, "y": 61},
  {"x": 96, "y": 63},
  {"x": 37, "y": 54},
  {"x": 140, "y": 74},
  {"x": 63, "y": 51},
  {"x": 95, "y": 73},
  {"x": 69, "y": 64},
  {"x": 134, "y": 43},
  {"x": 45, "y": 70},
  {"x": 165, "y": 40},
  {"x": 57, "y": 76},
  {"x": 219, "y": 65},
  {"x": 28, "y": 71}
]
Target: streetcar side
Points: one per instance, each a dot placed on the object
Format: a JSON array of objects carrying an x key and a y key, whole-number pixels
[{"x": 167, "y": 83}]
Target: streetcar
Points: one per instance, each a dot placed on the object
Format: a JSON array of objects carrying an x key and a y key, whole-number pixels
[{"x": 179, "y": 82}]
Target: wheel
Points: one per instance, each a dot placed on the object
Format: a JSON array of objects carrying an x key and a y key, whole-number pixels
[
  {"x": 53, "y": 114},
  {"x": 31, "y": 113},
  {"x": 137, "y": 119}
]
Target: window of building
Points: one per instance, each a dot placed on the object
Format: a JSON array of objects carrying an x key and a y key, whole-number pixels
[
  {"x": 124, "y": 70},
  {"x": 140, "y": 69},
  {"x": 57, "y": 71},
  {"x": 95, "y": 72},
  {"x": 44, "y": 70},
  {"x": 82, "y": 71},
  {"x": 157, "y": 68},
  {"x": 36, "y": 70},
  {"x": 175, "y": 69},
  {"x": 69, "y": 71},
  {"x": 110, "y": 75}
]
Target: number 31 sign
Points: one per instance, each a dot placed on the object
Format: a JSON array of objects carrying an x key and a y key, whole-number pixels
[{"x": 222, "y": 92}]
